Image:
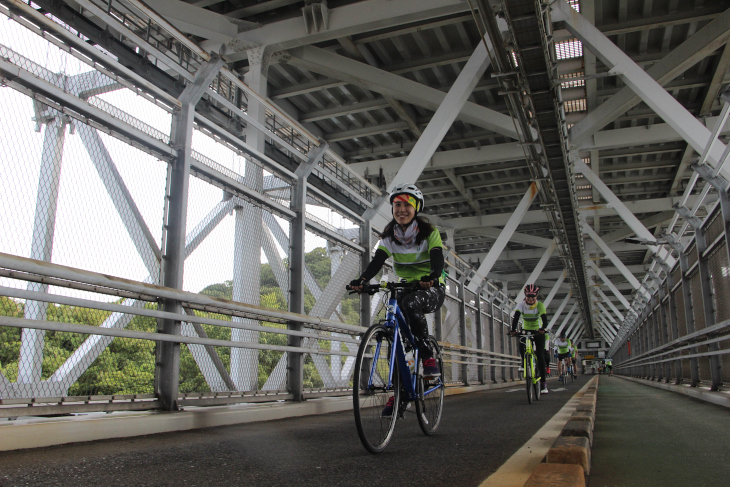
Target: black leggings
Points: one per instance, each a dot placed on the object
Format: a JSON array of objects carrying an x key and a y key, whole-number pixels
[
  {"x": 539, "y": 345},
  {"x": 415, "y": 305}
]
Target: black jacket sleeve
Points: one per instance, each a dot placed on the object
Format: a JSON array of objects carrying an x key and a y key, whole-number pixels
[
  {"x": 374, "y": 266},
  {"x": 515, "y": 320},
  {"x": 544, "y": 322},
  {"x": 437, "y": 263}
]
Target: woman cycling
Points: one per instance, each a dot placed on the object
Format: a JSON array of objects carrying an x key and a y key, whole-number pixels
[{"x": 417, "y": 251}]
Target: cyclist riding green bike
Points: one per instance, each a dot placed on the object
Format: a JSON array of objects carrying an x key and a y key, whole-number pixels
[
  {"x": 534, "y": 317},
  {"x": 415, "y": 246},
  {"x": 564, "y": 350}
]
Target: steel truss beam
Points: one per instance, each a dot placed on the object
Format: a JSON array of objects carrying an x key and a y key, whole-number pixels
[{"x": 651, "y": 92}]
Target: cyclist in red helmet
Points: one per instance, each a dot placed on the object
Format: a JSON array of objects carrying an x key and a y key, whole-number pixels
[{"x": 534, "y": 317}]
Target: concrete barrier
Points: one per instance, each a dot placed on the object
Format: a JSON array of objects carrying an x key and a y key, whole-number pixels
[
  {"x": 573, "y": 450},
  {"x": 568, "y": 461},
  {"x": 557, "y": 475}
]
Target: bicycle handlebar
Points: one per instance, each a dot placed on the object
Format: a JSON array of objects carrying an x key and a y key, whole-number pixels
[
  {"x": 525, "y": 333},
  {"x": 375, "y": 288}
]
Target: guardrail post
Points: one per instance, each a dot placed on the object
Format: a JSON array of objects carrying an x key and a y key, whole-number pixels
[
  {"x": 366, "y": 241},
  {"x": 480, "y": 336},
  {"x": 462, "y": 330},
  {"x": 167, "y": 371}
]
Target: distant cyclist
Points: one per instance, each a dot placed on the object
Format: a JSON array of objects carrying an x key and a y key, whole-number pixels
[
  {"x": 417, "y": 252},
  {"x": 534, "y": 317},
  {"x": 609, "y": 366},
  {"x": 564, "y": 349}
]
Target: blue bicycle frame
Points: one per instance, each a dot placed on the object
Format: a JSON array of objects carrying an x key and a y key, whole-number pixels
[{"x": 395, "y": 320}]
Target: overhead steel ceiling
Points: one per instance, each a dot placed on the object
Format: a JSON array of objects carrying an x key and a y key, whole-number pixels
[{"x": 367, "y": 77}]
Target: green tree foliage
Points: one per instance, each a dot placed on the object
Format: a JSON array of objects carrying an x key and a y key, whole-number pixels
[{"x": 127, "y": 366}]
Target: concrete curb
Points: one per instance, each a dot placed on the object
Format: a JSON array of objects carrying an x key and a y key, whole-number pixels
[
  {"x": 34, "y": 432},
  {"x": 568, "y": 461},
  {"x": 701, "y": 393}
]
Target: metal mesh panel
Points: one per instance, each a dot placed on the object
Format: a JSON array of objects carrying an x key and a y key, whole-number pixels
[
  {"x": 682, "y": 327},
  {"x": 715, "y": 227},
  {"x": 699, "y": 318},
  {"x": 471, "y": 341},
  {"x": 720, "y": 271},
  {"x": 692, "y": 255},
  {"x": 42, "y": 364},
  {"x": 450, "y": 332}
]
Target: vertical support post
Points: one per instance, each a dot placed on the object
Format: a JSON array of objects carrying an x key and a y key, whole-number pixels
[
  {"x": 249, "y": 233},
  {"x": 492, "y": 342},
  {"x": 462, "y": 330},
  {"x": 480, "y": 336},
  {"x": 167, "y": 373},
  {"x": 30, "y": 364},
  {"x": 502, "y": 348},
  {"x": 297, "y": 270}
]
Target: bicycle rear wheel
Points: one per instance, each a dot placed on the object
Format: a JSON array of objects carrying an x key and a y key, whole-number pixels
[
  {"x": 528, "y": 377},
  {"x": 370, "y": 389},
  {"x": 430, "y": 402}
]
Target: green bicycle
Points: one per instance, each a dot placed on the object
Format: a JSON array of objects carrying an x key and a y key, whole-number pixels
[{"x": 532, "y": 376}]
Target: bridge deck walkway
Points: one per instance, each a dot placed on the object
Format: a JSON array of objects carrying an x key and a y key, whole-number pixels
[{"x": 649, "y": 437}]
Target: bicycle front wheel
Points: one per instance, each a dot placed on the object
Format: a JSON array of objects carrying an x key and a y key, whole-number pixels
[
  {"x": 371, "y": 394},
  {"x": 430, "y": 402}
]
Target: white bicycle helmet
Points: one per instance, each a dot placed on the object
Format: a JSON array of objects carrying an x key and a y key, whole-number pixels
[{"x": 409, "y": 189}]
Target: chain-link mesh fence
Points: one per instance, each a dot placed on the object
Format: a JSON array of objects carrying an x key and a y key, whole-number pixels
[{"x": 82, "y": 192}]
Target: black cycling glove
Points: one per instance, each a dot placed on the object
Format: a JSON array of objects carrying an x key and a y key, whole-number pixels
[{"x": 357, "y": 282}]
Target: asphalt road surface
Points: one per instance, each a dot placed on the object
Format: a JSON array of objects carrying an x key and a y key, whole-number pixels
[{"x": 478, "y": 433}]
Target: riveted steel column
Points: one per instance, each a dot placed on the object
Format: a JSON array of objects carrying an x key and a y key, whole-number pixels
[
  {"x": 296, "y": 268},
  {"x": 462, "y": 330},
  {"x": 30, "y": 363},
  {"x": 167, "y": 372},
  {"x": 480, "y": 336}
]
